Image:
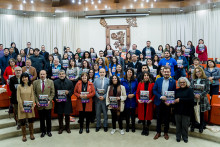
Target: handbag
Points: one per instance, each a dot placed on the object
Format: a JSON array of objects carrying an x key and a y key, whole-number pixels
[{"x": 197, "y": 112}]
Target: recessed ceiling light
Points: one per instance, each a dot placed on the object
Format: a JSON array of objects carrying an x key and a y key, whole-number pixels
[
  {"x": 147, "y": 1},
  {"x": 99, "y": 1},
  {"x": 106, "y": 6},
  {"x": 86, "y": 1},
  {"x": 32, "y": 1},
  {"x": 24, "y": 1},
  {"x": 73, "y": 1},
  {"x": 79, "y": 2},
  {"x": 135, "y": 0},
  {"x": 95, "y": 7},
  {"x": 155, "y": 0},
  {"x": 92, "y": 2}
]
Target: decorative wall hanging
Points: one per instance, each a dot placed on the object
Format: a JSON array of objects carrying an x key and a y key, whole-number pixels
[
  {"x": 132, "y": 21},
  {"x": 103, "y": 22},
  {"x": 118, "y": 35}
]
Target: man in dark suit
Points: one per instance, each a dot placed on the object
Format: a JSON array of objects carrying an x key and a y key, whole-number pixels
[
  {"x": 27, "y": 50},
  {"x": 44, "y": 52},
  {"x": 38, "y": 61},
  {"x": 162, "y": 107},
  {"x": 14, "y": 81},
  {"x": 44, "y": 88},
  {"x": 135, "y": 65},
  {"x": 134, "y": 50},
  {"x": 63, "y": 107}
]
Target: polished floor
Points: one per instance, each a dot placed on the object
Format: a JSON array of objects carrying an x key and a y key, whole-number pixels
[{"x": 102, "y": 139}]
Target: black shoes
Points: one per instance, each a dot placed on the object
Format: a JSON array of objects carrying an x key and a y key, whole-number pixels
[
  {"x": 97, "y": 129},
  {"x": 133, "y": 129},
  {"x": 146, "y": 131},
  {"x": 49, "y": 134},
  {"x": 200, "y": 130},
  {"x": 87, "y": 130},
  {"x": 185, "y": 141},
  {"x": 127, "y": 129},
  {"x": 80, "y": 130},
  {"x": 42, "y": 135},
  {"x": 177, "y": 140},
  {"x": 192, "y": 129},
  {"x": 106, "y": 129}
]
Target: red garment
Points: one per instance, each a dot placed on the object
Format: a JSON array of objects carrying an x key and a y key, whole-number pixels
[
  {"x": 149, "y": 110},
  {"x": 8, "y": 71},
  {"x": 203, "y": 56},
  {"x": 77, "y": 92}
]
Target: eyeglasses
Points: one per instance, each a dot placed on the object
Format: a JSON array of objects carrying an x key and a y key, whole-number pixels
[
  {"x": 18, "y": 70},
  {"x": 182, "y": 82}
]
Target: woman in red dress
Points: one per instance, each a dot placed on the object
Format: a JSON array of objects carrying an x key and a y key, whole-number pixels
[{"x": 145, "y": 104}]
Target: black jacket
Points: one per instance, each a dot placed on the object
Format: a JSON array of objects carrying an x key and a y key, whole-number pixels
[
  {"x": 38, "y": 62},
  {"x": 45, "y": 54},
  {"x": 185, "y": 105},
  {"x": 63, "y": 107},
  {"x": 138, "y": 66},
  {"x": 13, "y": 88}
]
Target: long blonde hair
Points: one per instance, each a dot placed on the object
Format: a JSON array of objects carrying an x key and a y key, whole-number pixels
[{"x": 203, "y": 73}]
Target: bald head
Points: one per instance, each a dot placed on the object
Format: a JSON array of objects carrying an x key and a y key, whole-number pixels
[
  {"x": 102, "y": 72},
  {"x": 43, "y": 74}
]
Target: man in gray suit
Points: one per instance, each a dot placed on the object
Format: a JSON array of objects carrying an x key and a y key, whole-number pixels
[{"x": 101, "y": 85}]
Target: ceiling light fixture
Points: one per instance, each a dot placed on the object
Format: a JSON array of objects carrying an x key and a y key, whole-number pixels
[
  {"x": 24, "y": 1},
  {"x": 116, "y": 15},
  {"x": 32, "y": 1},
  {"x": 99, "y": 1},
  {"x": 73, "y": 1}
]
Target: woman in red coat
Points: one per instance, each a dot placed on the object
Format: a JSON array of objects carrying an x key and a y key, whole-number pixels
[
  {"x": 9, "y": 72},
  {"x": 201, "y": 50},
  {"x": 84, "y": 100},
  {"x": 145, "y": 107}
]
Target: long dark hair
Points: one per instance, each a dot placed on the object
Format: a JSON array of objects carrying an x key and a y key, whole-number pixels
[
  {"x": 25, "y": 75},
  {"x": 88, "y": 66},
  {"x": 105, "y": 52},
  {"x": 157, "y": 58},
  {"x": 103, "y": 64},
  {"x": 150, "y": 77},
  {"x": 70, "y": 66},
  {"x": 132, "y": 70},
  {"x": 85, "y": 53},
  {"x": 118, "y": 80},
  {"x": 112, "y": 61},
  {"x": 121, "y": 73}
]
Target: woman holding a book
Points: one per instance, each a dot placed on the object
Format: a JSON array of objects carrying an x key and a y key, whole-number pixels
[
  {"x": 130, "y": 84},
  {"x": 85, "y": 67},
  {"x": 54, "y": 70},
  {"x": 26, "y": 103},
  {"x": 116, "y": 95},
  {"x": 145, "y": 98},
  {"x": 183, "y": 105},
  {"x": 201, "y": 50},
  {"x": 84, "y": 91},
  {"x": 201, "y": 87},
  {"x": 182, "y": 64},
  {"x": 113, "y": 65},
  {"x": 72, "y": 72}
]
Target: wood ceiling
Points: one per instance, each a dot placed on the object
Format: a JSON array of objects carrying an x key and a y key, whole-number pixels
[{"x": 56, "y": 6}]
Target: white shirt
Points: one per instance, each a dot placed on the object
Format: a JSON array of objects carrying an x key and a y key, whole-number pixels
[{"x": 41, "y": 82}]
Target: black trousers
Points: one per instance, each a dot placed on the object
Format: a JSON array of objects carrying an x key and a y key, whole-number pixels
[
  {"x": 163, "y": 114},
  {"x": 82, "y": 115},
  {"x": 214, "y": 90},
  {"x": 115, "y": 118},
  {"x": 45, "y": 115},
  {"x": 23, "y": 121},
  {"x": 130, "y": 113}
]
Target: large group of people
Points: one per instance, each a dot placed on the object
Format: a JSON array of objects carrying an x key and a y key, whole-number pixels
[{"x": 128, "y": 82}]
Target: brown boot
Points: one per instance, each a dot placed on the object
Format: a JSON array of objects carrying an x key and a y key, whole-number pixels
[
  {"x": 166, "y": 136},
  {"x": 23, "y": 129},
  {"x": 31, "y": 129},
  {"x": 60, "y": 119},
  {"x": 67, "y": 121},
  {"x": 157, "y": 136}
]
